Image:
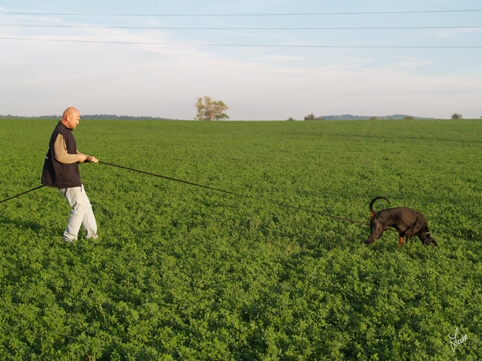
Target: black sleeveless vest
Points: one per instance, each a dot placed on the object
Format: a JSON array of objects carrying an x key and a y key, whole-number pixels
[{"x": 56, "y": 174}]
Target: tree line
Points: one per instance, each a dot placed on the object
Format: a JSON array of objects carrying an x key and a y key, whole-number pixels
[{"x": 88, "y": 117}]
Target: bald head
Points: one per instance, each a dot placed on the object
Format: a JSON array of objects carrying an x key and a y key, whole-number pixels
[{"x": 71, "y": 117}]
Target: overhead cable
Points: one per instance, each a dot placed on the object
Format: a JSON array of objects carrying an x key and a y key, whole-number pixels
[
  {"x": 248, "y": 45},
  {"x": 31, "y": 13},
  {"x": 243, "y": 28}
]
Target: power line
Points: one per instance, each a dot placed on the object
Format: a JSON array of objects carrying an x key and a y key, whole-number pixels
[
  {"x": 241, "y": 14},
  {"x": 243, "y": 28},
  {"x": 251, "y": 45}
]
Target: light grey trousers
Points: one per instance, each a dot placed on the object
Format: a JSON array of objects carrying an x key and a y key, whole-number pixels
[{"x": 81, "y": 213}]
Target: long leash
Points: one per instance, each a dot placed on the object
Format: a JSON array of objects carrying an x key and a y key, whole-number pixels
[
  {"x": 280, "y": 204},
  {"x": 21, "y": 194}
]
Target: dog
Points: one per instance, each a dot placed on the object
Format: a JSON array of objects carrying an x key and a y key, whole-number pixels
[{"x": 408, "y": 223}]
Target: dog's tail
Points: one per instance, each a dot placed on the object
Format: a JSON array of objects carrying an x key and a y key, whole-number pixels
[{"x": 372, "y": 212}]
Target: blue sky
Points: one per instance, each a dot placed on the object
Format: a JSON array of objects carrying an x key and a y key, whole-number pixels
[{"x": 265, "y": 59}]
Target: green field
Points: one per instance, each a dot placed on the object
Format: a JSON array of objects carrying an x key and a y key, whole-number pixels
[{"x": 185, "y": 273}]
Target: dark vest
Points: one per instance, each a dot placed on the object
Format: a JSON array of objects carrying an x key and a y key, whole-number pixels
[{"x": 56, "y": 174}]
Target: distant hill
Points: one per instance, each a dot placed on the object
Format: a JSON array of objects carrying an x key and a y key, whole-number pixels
[{"x": 364, "y": 117}]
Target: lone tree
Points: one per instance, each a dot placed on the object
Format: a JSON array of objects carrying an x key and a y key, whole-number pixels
[
  {"x": 209, "y": 109},
  {"x": 456, "y": 116}
]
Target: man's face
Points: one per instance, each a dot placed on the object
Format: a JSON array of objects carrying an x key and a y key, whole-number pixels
[{"x": 73, "y": 119}]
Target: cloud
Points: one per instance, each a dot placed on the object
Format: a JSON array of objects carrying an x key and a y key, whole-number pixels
[{"x": 43, "y": 77}]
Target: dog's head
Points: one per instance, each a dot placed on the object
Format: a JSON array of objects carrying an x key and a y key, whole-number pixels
[{"x": 427, "y": 239}]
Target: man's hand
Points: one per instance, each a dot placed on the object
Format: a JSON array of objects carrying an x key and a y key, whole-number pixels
[
  {"x": 87, "y": 158},
  {"x": 92, "y": 159},
  {"x": 82, "y": 157}
]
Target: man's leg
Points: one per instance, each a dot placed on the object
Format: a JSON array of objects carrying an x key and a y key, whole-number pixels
[
  {"x": 80, "y": 214},
  {"x": 89, "y": 223}
]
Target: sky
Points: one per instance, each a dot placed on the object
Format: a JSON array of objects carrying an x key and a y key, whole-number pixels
[{"x": 265, "y": 59}]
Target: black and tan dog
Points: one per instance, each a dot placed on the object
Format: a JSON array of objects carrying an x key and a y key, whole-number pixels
[{"x": 408, "y": 223}]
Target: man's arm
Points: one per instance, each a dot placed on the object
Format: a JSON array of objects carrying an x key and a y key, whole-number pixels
[{"x": 61, "y": 154}]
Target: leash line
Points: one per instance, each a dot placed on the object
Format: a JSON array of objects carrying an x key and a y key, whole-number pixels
[
  {"x": 20, "y": 194},
  {"x": 169, "y": 178},
  {"x": 280, "y": 204}
]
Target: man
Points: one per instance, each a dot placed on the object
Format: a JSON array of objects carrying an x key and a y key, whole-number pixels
[{"x": 61, "y": 170}]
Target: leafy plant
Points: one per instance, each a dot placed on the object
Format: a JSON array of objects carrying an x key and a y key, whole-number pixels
[{"x": 182, "y": 272}]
